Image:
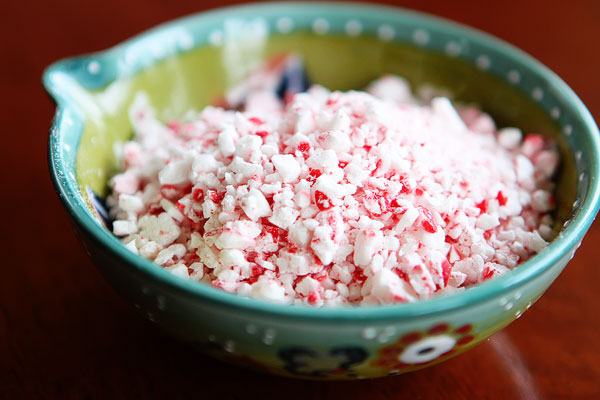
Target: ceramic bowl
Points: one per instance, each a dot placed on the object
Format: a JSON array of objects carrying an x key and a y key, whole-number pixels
[{"x": 189, "y": 62}]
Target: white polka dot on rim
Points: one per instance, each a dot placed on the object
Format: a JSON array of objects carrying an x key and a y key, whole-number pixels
[
  {"x": 161, "y": 303},
  {"x": 320, "y": 26},
  {"x": 216, "y": 38},
  {"x": 508, "y": 306},
  {"x": 229, "y": 346},
  {"x": 578, "y": 155},
  {"x": 452, "y": 48},
  {"x": 285, "y": 24},
  {"x": 483, "y": 62},
  {"x": 269, "y": 337},
  {"x": 383, "y": 338},
  {"x": 420, "y": 37},
  {"x": 251, "y": 329},
  {"x": 353, "y": 27},
  {"x": 129, "y": 58},
  {"x": 518, "y": 295},
  {"x": 581, "y": 177},
  {"x": 568, "y": 129},
  {"x": 389, "y": 330},
  {"x": 555, "y": 112},
  {"x": 157, "y": 51},
  {"x": 537, "y": 93},
  {"x": 260, "y": 23},
  {"x": 386, "y": 33},
  {"x": 93, "y": 67},
  {"x": 514, "y": 76},
  {"x": 369, "y": 333},
  {"x": 185, "y": 42}
]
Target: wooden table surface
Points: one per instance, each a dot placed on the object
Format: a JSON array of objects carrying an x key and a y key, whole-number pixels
[{"x": 64, "y": 333}]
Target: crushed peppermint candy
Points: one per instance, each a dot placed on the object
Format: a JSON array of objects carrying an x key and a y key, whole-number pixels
[{"x": 332, "y": 198}]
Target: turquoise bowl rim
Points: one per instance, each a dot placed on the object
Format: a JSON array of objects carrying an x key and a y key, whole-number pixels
[{"x": 68, "y": 126}]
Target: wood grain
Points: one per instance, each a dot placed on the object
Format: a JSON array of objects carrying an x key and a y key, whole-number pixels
[{"x": 65, "y": 334}]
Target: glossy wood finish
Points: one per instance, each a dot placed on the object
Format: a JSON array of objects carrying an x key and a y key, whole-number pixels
[{"x": 65, "y": 334}]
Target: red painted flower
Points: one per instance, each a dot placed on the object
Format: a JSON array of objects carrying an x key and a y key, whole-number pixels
[{"x": 422, "y": 348}]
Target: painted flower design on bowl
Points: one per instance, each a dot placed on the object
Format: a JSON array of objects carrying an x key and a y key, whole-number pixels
[
  {"x": 417, "y": 349},
  {"x": 339, "y": 361}
]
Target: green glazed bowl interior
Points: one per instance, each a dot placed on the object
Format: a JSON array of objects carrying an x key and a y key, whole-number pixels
[{"x": 188, "y": 63}]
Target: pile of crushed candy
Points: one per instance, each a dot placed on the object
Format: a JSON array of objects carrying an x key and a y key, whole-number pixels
[{"x": 332, "y": 198}]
